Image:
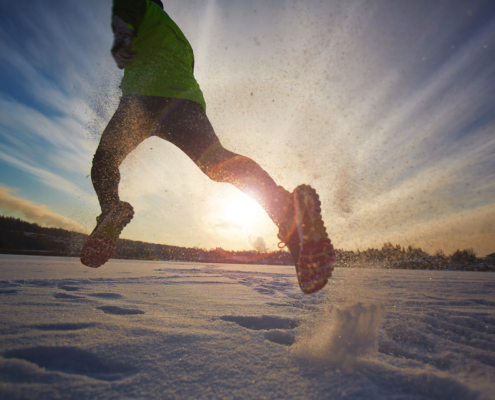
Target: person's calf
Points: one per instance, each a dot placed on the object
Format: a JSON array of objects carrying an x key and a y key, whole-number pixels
[{"x": 105, "y": 176}]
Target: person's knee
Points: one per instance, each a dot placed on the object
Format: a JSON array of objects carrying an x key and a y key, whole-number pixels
[
  {"x": 214, "y": 162},
  {"x": 230, "y": 169}
]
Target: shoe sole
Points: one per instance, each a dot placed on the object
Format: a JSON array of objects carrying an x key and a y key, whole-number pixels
[
  {"x": 97, "y": 250},
  {"x": 316, "y": 258},
  {"x": 99, "y": 247}
]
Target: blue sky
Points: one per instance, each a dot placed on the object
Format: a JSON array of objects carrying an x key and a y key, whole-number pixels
[{"x": 386, "y": 108}]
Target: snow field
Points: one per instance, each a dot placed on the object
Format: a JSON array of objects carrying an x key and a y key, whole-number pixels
[{"x": 134, "y": 329}]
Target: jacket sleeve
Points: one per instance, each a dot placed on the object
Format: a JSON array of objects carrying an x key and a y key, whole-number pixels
[{"x": 131, "y": 11}]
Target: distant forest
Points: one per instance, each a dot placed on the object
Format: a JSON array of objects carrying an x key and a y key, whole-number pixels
[
  {"x": 397, "y": 257},
  {"x": 21, "y": 237}
]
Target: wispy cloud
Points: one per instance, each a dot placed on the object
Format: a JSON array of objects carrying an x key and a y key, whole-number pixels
[
  {"x": 51, "y": 113},
  {"x": 48, "y": 178},
  {"x": 471, "y": 228},
  {"x": 38, "y": 213}
]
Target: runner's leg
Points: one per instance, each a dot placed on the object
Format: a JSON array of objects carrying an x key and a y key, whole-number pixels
[
  {"x": 185, "y": 124},
  {"x": 129, "y": 126}
]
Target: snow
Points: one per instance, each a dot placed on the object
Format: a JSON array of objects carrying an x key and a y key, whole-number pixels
[{"x": 135, "y": 329}]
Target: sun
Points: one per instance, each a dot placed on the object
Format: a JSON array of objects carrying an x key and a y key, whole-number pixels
[{"x": 242, "y": 210}]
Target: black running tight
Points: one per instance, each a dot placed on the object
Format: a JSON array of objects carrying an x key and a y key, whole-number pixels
[{"x": 185, "y": 124}]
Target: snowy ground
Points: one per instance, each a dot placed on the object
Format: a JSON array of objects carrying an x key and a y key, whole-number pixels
[{"x": 152, "y": 330}]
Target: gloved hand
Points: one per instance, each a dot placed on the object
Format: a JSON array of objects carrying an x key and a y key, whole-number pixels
[{"x": 121, "y": 49}]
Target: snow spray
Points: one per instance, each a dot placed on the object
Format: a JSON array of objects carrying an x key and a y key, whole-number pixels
[{"x": 342, "y": 335}]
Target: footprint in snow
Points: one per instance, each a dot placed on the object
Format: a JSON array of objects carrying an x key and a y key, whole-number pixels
[
  {"x": 42, "y": 283},
  {"x": 270, "y": 287},
  {"x": 278, "y": 304},
  {"x": 262, "y": 290},
  {"x": 67, "y": 296},
  {"x": 262, "y": 322},
  {"x": 106, "y": 295},
  {"x": 64, "y": 326},
  {"x": 280, "y": 337},
  {"x": 8, "y": 291},
  {"x": 69, "y": 288},
  {"x": 73, "y": 360},
  {"x": 278, "y": 329},
  {"x": 119, "y": 310}
]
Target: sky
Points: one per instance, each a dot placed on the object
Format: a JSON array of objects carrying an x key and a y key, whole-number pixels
[{"x": 385, "y": 108}]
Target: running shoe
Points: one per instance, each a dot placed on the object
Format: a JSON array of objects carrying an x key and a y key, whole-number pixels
[
  {"x": 101, "y": 244},
  {"x": 305, "y": 235}
]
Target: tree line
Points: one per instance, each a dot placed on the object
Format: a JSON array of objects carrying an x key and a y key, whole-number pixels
[
  {"x": 390, "y": 256},
  {"x": 21, "y": 237}
]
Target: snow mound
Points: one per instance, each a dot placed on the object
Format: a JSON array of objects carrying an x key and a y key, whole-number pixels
[{"x": 342, "y": 336}]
